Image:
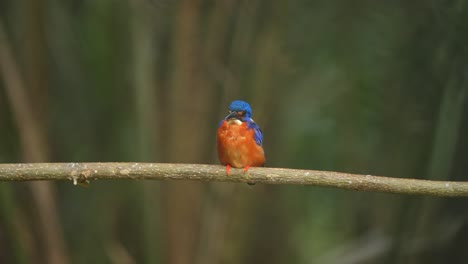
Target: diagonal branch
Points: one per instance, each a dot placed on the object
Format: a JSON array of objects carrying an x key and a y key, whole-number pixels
[{"x": 84, "y": 172}]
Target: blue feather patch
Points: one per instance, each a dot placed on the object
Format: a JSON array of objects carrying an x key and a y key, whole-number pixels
[{"x": 258, "y": 136}]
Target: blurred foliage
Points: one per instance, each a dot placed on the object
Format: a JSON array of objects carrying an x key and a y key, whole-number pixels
[{"x": 370, "y": 87}]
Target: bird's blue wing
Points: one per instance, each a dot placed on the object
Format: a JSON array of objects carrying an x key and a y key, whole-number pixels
[{"x": 258, "y": 135}]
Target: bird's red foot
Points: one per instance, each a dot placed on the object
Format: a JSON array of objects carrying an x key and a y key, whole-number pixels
[
  {"x": 228, "y": 169},
  {"x": 246, "y": 168}
]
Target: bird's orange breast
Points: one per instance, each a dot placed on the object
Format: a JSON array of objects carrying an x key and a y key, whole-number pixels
[{"x": 237, "y": 147}]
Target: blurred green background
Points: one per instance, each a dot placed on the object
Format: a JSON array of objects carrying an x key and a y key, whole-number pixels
[{"x": 370, "y": 87}]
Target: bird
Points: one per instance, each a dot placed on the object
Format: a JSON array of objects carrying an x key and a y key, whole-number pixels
[{"x": 240, "y": 139}]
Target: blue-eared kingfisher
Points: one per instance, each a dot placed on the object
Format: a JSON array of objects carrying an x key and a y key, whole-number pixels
[{"x": 239, "y": 139}]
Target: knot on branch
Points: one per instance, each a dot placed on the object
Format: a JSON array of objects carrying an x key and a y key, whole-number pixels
[{"x": 81, "y": 177}]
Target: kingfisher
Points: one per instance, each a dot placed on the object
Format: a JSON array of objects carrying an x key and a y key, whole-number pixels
[{"x": 240, "y": 139}]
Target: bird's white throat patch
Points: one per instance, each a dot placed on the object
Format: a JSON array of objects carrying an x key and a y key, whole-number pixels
[{"x": 234, "y": 121}]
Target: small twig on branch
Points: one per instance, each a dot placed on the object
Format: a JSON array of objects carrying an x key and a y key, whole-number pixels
[{"x": 84, "y": 172}]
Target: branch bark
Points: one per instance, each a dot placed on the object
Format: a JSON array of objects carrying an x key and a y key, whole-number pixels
[{"x": 84, "y": 172}]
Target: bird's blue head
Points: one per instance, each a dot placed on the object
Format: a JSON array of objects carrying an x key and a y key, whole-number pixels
[{"x": 240, "y": 109}]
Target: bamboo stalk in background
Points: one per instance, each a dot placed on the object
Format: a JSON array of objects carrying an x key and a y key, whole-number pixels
[{"x": 34, "y": 148}]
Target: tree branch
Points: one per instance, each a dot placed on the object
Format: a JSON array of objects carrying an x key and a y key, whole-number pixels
[{"x": 81, "y": 173}]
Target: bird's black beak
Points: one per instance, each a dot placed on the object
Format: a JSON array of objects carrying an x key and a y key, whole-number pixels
[{"x": 232, "y": 114}]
